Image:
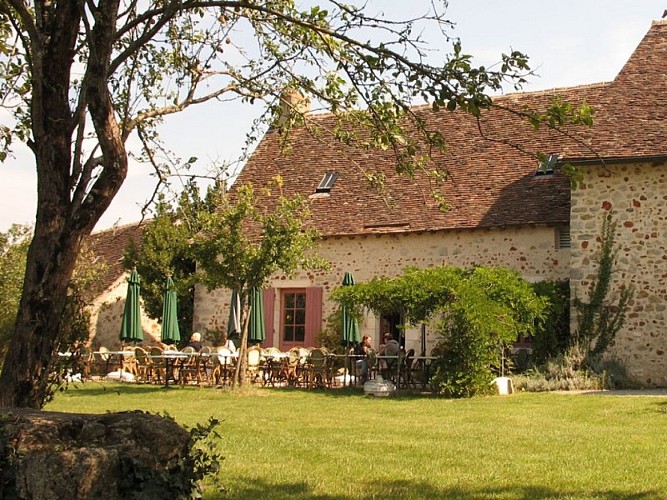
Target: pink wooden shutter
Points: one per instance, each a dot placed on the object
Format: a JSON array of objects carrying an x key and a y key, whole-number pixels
[
  {"x": 269, "y": 299},
  {"x": 313, "y": 314}
]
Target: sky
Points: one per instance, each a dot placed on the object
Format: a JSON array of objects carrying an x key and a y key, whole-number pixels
[{"x": 569, "y": 42}]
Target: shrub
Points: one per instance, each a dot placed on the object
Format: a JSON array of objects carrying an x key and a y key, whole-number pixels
[
  {"x": 465, "y": 356},
  {"x": 562, "y": 373},
  {"x": 552, "y": 332}
]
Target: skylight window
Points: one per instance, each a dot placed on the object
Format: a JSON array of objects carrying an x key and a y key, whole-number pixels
[
  {"x": 327, "y": 182},
  {"x": 547, "y": 164}
]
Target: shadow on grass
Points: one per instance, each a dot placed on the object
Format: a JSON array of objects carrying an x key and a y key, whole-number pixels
[
  {"x": 96, "y": 388},
  {"x": 406, "y": 489},
  {"x": 358, "y": 391}
]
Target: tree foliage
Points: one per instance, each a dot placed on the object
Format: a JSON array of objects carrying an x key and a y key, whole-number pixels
[
  {"x": 552, "y": 332},
  {"x": 13, "y": 251},
  {"x": 166, "y": 250},
  {"x": 479, "y": 311}
]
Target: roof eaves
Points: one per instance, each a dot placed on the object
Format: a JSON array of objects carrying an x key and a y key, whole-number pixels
[{"x": 599, "y": 160}]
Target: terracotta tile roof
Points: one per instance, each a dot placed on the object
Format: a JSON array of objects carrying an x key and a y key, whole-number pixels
[
  {"x": 491, "y": 184},
  {"x": 109, "y": 246}
]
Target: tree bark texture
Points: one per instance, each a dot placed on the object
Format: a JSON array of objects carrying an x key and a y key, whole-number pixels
[{"x": 63, "y": 220}]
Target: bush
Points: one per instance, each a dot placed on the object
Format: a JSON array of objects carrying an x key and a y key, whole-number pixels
[
  {"x": 562, "y": 373},
  {"x": 552, "y": 332},
  {"x": 465, "y": 356}
]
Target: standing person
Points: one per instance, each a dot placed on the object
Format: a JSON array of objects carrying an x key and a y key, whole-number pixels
[
  {"x": 363, "y": 348},
  {"x": 228, "y": 343},
  {"x": 195, "y": 342}
]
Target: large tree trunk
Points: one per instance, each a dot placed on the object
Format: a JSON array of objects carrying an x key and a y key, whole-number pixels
[
  {"x": 68, "y": 206},
  {"x": 51, "y": 259}
]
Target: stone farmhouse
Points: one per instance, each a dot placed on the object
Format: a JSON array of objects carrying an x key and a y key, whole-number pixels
[{"x": 505, "y": 210}]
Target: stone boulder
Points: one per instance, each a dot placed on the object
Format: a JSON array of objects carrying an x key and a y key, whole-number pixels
[{"x": 47, "y": 455}]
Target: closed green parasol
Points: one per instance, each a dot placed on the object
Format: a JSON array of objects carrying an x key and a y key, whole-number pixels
[
  {"x": 171, "y": 333},
  {"x": 130, "y": 330},
  {"x": 350, "y": 332},
  {"x": 256, "y": 330}
]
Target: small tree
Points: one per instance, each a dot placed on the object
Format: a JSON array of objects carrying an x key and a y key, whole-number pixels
[
  {"x": 241, "y": 245},
  {"x": 481, "y": 310}
]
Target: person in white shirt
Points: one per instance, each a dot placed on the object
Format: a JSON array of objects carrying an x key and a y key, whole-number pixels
[{"x": 229, "y": 344}]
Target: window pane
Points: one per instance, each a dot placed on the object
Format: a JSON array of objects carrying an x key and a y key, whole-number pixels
[
  {"x": 289, "y": 301},
  {"x": 301, "y": 300},
  {"x": 300, "y": 317},
  {"x": 299, "y": 333},
  {"x": 289, "y": 333}
]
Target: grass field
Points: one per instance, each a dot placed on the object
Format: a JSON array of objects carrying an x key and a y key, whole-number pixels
[{"x": 340, "y": 444}]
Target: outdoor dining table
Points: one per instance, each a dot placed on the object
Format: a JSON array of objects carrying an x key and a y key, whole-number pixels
[
  {"x": 170, "y": 357},
  {"x": 274, "y": 362},
  {"x": 226, "y": 360}
]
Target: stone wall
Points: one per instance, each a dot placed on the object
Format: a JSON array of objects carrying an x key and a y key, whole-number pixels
[
  {"x": 530, "y": 250},
  {"x": 636, "y": 196},
  {"x": 107, "y": 315}
]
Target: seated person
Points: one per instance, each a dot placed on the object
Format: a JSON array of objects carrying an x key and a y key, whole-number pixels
[
  {"x": 391, "y": 347},
  {"x": 363, "y": 348},
  {"x": 195, "y": 342},
  {"x": 229, "y": 344}
]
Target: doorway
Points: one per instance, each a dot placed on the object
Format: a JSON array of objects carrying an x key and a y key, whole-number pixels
[{"x": 393, "y": 324}]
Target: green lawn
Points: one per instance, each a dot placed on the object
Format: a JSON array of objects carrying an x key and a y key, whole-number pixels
[{"x": 281, "y": 443}]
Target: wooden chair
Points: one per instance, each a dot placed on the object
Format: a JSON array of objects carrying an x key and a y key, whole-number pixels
[
  {"x": 405, "y": 379},
  {"x": 144, "y": 364},
  {"x": 83, "y": 359},
  {"x": 275, "y": 366},
  {"x": 204, "y": 365},
  {"x": 188, "y": 369},
  {"x": 222, "y": 366},
  {"x": 253, "y": 363},
  {"x": 294, "y": 371},
  {"x": 129, "y": 362},
  {"x": 158, "y": 366},
  {"x": 319, "y": 369},
  {"x": 102, "y": 360}
]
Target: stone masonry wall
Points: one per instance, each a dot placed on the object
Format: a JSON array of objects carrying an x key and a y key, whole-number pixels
[
  {"x": 530, "y": 250},
  {"x": 636, "y": 196},
  {"x": 107, "y": 316}
]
